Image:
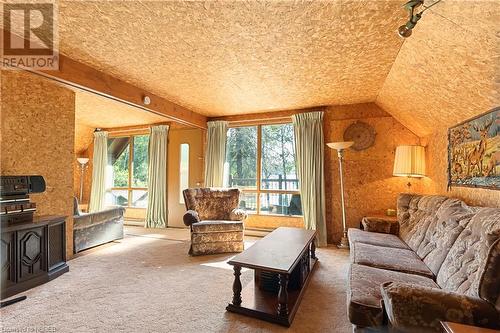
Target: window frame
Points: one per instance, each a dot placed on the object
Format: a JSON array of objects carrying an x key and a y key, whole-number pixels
[
  {"x": 130, "y": 188},
  {"x": 258, "y": 173},
  {"x": 181, "y": 196}
]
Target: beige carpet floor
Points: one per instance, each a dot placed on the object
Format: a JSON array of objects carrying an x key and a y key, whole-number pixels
[{"x": 147, "y": 283}]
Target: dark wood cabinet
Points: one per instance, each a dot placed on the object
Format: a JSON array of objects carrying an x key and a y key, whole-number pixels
[
  {"x": 8, "y": 275},
  {"x": 32, "y": 253}
]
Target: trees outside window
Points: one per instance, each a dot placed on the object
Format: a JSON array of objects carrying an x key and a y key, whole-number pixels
[
  {"x": 260, "y": 160},
  {"x": 127, "y": 172}
]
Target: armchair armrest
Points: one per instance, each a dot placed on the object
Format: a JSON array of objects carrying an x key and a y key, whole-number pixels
[
  {"x": 412, "y": 308},
  {"x": 378, "y": 224},
  {"x": 238, "y": 214},
  {"x": 190, "y": 217}
]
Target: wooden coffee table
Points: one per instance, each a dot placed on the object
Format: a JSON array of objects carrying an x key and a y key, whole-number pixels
[
  {"x": 450, "y": 327},
  {"x": 282, "y": 263}
]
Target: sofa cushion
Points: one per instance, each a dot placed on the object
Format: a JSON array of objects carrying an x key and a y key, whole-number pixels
[
  {"x": 401, "y": 260},
  {"x": 470, "y": 267},
  {"x": 374, "y": 238},
  {"x": 452, "y": 217},
  {"x": 421, "y": 214},
  {"x": 364, "y": 299},
  {"x": 217, "y": 226},
  {"x": 489, "y": 285}
]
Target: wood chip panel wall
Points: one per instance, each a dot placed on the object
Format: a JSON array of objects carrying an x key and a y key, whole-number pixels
[{"x": 37, "y": 137}]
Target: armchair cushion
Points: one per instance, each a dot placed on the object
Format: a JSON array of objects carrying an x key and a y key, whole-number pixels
[
  {"x": 411, "y": 307},
  {"x": 377, "y": 224},
  {"x": 238, "y": 214},
  {"x": 217, "y": 226},
  {"x": 190, "y": 217}
]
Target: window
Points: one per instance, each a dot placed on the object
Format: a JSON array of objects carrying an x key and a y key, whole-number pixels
[
  {"x": 127, "y": 172},
  {"x": 184, "y": 171},
  {"x": 260, "y": 161}
]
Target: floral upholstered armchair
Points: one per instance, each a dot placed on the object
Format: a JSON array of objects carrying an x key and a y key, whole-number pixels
[{"x": 215, "y": 220}]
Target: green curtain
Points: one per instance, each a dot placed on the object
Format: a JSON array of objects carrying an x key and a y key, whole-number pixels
[
  {"x": 156, "y": 213},
  {"x": 99, "y": 163},
  {"x": 309, "y": 155},
  {"x": 216, "y": 153}
]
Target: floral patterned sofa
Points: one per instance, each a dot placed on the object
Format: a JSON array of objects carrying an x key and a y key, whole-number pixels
[
  {"x": 215, "y": 220},
  {"x": 440, "y": 261}
]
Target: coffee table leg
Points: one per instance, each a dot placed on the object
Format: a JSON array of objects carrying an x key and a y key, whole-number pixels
[
  {"x": 313, "y": 249},
  {"x": 237, "y": 286},
  {"x": 283, "y": 296}
]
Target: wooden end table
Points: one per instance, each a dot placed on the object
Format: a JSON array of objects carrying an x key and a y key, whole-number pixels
[{"x": 282, "y": 262}]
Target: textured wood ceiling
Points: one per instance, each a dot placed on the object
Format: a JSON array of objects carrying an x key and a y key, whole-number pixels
[
  {"x": 234, "y": 57},
  {"x": 449, "y": 69},
  {"x": 92, "y": 111},
  {"x": 228, "y": 58},
  {"x": 97, "y": 111}
]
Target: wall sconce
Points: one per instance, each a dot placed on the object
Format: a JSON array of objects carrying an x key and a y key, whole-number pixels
[
  {"x": 412, "y": 7},
  {"x": 409, "y": 162}
]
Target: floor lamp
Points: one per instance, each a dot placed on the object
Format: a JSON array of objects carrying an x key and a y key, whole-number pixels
[
  {"x": 340, "y": 147},
  {"x": 83, "y": 165}
]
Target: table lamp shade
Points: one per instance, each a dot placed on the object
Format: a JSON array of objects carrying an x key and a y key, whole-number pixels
[{"x": 409, "y": 161}]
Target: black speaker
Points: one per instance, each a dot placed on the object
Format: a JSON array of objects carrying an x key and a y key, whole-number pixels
[{"x": 37, "y": 184}]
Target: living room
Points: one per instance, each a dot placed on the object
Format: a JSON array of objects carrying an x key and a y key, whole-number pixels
[{"x": 250, "y": 166}]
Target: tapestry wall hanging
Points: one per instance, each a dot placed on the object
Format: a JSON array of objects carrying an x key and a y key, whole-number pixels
[{"x": 474, "y": 152}]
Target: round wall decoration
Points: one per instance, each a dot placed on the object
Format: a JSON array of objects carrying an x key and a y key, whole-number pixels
[{"x": 362, "y": 134}]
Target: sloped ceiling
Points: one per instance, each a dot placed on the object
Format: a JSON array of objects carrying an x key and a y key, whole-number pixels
[
  {"x": 225, "y": 58},
  {"x": 92, "y": 111},
  {"x": 235, "y": 57},
  {"x": 449, "y": 69}
]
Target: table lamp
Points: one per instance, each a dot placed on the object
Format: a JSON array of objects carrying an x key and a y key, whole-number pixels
[
  {"x": 409, "y": 162},
  {"x": 340, "y": 147}
]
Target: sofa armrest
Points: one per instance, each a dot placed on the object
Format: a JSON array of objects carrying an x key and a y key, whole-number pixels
[
  {"x": 378, "y": 224},
  {"x": 413, "y": 308},
  {"x": 238, "y": 214},
  {"x": 191, "y": 217}
]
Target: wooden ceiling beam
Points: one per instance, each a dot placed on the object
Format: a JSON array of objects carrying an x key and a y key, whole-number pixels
[
  {"x": 87, "y": 78},
  {"x": 270, "y": 117},
  {"x": 81, "y": 76}
]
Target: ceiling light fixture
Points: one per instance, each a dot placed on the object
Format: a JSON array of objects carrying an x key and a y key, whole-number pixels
[
  {"x": 414, "y": 8},
  {"x": 146, "y": 100}
]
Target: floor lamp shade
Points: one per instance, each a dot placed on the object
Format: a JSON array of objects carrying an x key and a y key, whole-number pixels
[{"x": 409, "y": 161}]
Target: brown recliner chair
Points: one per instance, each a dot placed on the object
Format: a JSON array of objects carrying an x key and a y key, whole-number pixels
[{"x": 215, "y": 220}]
